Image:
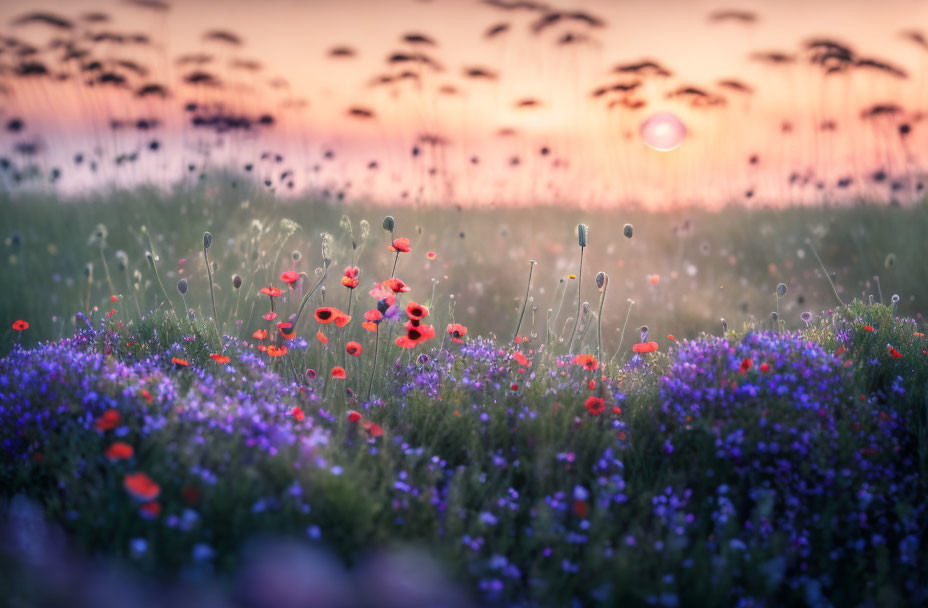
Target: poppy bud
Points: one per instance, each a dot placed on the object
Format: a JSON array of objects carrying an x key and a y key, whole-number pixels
[
  {"x": 296, "y": 256},
  {"x": 890, "y": 260},
  {"x": 582, "y": 234},
  {"x": 870, "y": 299},
  {"x": 236, "y": 281},
  {"x": 774, "y": 317},
  {"x": 182, "y": 287},
  {"x": 122, "y": 259},
  {"x": 601, "y": 279},
  {"x": 781, "y": 290},
  {"x": 895, "y": 298},
  {"x": 806, "y": 317},
  {"x": 150, "y": 258},
  {"x": 389, "y": 223},
  {"x": 628, "y": 230},
  {"x": 724, "y": 325},
  {"x": 207, "y": 240},
  {"x": 644, "y": 332}
]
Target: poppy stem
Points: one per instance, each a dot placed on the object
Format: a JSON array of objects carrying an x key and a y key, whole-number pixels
[
  {"x": 599, "y": 322},
  {"x": 212, "y": 296},
  {"x": 395, "y": 260},
  {"x": 106, "y": 271},
  {"x": 309, "y": 294},
  {"x": 825, "y": 270},
  {"x": 370, "y": 384},
  {"x": 560, "y": 305},
  {"x": 531, "y": 267},
  {"x": 570, "y": 345},
  {"x": 624, "y": 325}
]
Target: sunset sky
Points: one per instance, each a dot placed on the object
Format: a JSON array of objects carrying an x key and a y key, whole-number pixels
[{"x": 595, "y": 155}]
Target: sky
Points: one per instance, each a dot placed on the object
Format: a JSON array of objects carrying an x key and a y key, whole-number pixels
[{"x": 534, "y": 133}]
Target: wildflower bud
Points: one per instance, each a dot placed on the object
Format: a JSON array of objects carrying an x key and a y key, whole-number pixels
[
  {"x": 88, "y": 270},
  {"x": 601, "y": 280},
  {"x": 724, "y": 325},
  {"x": 781, "y": 290},
  {"x": 895, "y": 298},
  {"x": 806, "y": 317},
  {"x": 182, "y": 287},
  {"x": 296, "y": 256},
  {"x": 150, "y": 258},
  {"x": 628, "y": 230},
  {"x": 345, "y": 223},
  {"x": 644, "y": 332},
  {"x": 774, "y": 316},
  {"x": 389, "y": 223},
  {"x": 890, "y": 260},
  {"x": 207, "y": 240},
  {"x": 237, "y": 282},
  {"x": 582, "y": 234},
  {"x": 122, "y": 259},
  {"x": 870, "y": 299},
  {"x": 365, "y": 229}
]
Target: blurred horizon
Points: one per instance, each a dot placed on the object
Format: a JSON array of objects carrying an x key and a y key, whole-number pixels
[{"x": 498, "y": 101}]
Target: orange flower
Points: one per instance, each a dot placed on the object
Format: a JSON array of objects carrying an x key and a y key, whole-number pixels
[
  {"x": 179, "y": 362},
  {"x": 298, "y": 414},
  {"x": 374, "y": 429},
  {"x": 274, "y": 351},
  {"x": 108, "y": 421},
  {"x": 521, "y": 359},
  {"x": 119, "y": 450},
  {"x": 400, "y": 245},
  {"x": 286, "y": 330},
  {"x": 415, "y": 334},
  {"x": 141, "y": 487},
  {"x": 327, "y": 314},
  {"x": 270, "y": 291},
  {"x": 339, "y": 372},
  {"x": 261, "y": 334},
  {"x": 396, "y": 285},
  {"x": 457, "y": 332},
  {"x": 868, "y": 328},
  {"x": 655, "y": 279},
  {"x": 353, "y": 416},
  {"x": 645, "y": 347},
  {"x": 893, "y": 352},
  {"x": 353, "y": 348},
  {"x": 350, "y": 280},
  {"x": 20, "y": 325},
  {"x": 290, "y": 277},
  {"x": 587, "y": 361},
  {"x": 322, "y": 337},
  {"x": 671, "y": 338},
  {"x": 220, "y": 359},
  {"x": 416, "y": 311},
  {"x": 595, "y": 405}
]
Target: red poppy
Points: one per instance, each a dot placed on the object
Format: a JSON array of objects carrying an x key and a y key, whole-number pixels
[
  {"x": 270, "y": 291},
  {"x": 179, "y": 362},
  {"x": 270, "y": 316},
  {"x": 261, "y": 334},
  {"x": 895, "y": 353},
  {"x": 327, "y": 314},
  {"x": 645, "y": 347},
  {"x": 671, "y": 338},
  {"x": 274, "y": 351},
  {"x": 290, "y": 277},
  {"x": 431, "y": 255},
  {"x": 400, "y": 245},
  {"x": 191, "y": 494},
  {"x": 108, "y": 421},
  {"x": 655, "y": 279},
  {"x": 339, "y": 372},
  {"x": 868, "y": 328},
  {"x": 764, "y": 367},
  {"x": 350, "y": 280},
  {"x": 457, "y": 332},
  {"x": 353, "y": 349},
  {"x": 396, "y": 285},
  {"x": 150, "y": 510},
  {"x": 114, "y": 298},
  {"x": 141, "y": 486},
  {"x": 587, "y": 361},
  {"x": 220, "y": 359},
  {"x": 262, "y": 348},
  {"x": 286, "y": 330},
  {"x": 405, "y": 342},
  {"x": 416, "y": 333},
  {"x": 374, "y": 429},
  {"x": 353, "y": 416},
  {"x": 322, "y": 337},
  {"x": 521, "y": 359},
  {"x": 298, "y": 414},
  {"x": 745, "y": 365},
  {"x": 20, "y": 325},
  {"x": 591, "y": 384},
  {"x": 119, "y": 450},
  {"x": 416, "y": 311},
  {"x": 595, "y": 405}
]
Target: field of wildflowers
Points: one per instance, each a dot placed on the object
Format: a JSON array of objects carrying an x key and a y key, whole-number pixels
[{"x": 322, "y": 411}]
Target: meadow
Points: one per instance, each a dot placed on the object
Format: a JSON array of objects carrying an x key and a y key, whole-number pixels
[{"x": 210, "y": 393}]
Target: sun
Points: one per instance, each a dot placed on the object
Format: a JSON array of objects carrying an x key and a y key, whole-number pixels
[{"x": 663, "y": 131}]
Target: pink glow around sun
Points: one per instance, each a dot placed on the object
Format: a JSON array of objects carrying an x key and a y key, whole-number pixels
[{"x": 663, "y": 132}]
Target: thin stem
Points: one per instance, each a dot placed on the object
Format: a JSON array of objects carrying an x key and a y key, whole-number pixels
[
  {"x": 106, "y": 270},
  {"x": 395, "y": 260},
  {"x": 825, "y": 270},
  {"x": 528, "y": 286},
  {"x": 570, "y": 345},
  {"x": 370, "y": 384},
  {"x": 309, "y": 294},
  {"x": 624, "y": 325},
  {"x": 212, "y": 296},
  {"x": 599, "y": 323}
]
